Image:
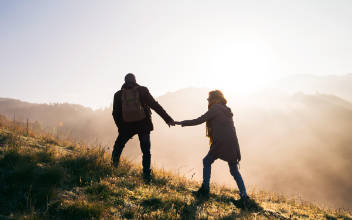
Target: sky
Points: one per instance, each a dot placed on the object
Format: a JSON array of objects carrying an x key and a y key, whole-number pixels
[{"x": 79, "y": 51}]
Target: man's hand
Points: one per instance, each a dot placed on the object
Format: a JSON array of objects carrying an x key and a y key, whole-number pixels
[{"x": 171, "y": 123}]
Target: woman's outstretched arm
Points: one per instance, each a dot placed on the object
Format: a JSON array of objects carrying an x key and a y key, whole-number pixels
[{"x": 210, "y": 114}]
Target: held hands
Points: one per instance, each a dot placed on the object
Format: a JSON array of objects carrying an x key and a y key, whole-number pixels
[
  {"x": 173, "y": 123},
  {"x": 179, "y": 123}
]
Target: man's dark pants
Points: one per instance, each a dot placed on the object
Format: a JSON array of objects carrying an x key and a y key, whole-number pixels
[{"x": 121, "y": 140}]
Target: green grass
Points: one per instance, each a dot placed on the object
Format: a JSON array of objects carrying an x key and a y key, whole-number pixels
[{"x": 42, "y": 178}]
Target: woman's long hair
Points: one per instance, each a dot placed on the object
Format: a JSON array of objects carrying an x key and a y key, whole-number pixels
[{"x": 215, "y": 97}]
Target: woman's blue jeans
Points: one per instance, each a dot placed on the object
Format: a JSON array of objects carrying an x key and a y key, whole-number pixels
[{"x": 208, "y": 160}]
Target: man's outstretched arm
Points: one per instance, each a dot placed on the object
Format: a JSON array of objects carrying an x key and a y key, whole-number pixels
[{"x": 153, "y": 104}]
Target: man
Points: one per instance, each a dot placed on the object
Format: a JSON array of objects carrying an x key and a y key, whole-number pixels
[{"x": 132, "y": 115}]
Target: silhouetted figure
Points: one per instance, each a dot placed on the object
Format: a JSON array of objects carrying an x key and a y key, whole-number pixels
[
  {"x": 132, "y": 115},
  {"x": 223, "y": 140}
]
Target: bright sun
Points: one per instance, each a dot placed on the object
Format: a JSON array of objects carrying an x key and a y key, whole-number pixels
[{"x": 242, "y": 67}]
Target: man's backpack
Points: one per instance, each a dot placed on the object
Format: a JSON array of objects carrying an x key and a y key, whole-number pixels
[{"x": 132, "y": 109}]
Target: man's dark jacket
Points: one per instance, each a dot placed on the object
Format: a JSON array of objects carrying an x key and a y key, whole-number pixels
[{"x": 147, "y": 100}]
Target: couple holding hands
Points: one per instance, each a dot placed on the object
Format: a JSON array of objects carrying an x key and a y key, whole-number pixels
[{"x": 132, "y": 115}]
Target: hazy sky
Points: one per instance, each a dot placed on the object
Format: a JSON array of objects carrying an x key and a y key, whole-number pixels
[{"x": 79, "y": 51}]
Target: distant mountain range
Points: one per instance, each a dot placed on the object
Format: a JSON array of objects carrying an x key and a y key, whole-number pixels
[
  {"x": 339, "y": 85},
  {"x": 81, "y": 123}
]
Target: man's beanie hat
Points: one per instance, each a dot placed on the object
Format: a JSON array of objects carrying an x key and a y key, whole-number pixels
[{"x": 130, "y": 78}]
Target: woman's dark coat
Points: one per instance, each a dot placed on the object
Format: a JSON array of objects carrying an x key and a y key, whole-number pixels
[
  {"x": 147, "y": 100},
  {"x": 225, "y": 143}
]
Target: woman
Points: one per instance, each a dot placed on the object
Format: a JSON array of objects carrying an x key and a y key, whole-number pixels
[{"x": 223, "y": 140}]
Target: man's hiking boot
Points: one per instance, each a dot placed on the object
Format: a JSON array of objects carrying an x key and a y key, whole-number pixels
[
  {"x": 147, "y": 176},
  {"x": 244, "y": 197},
  {"x": 244, "y": 200},
  {"x": 202, "y": 192},
  {"x": 115, "y": 163}
]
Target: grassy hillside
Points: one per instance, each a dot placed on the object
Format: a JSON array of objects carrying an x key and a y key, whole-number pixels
[
  {"x": 300, "y": 139},
  {"x": 42, "y": 178}
]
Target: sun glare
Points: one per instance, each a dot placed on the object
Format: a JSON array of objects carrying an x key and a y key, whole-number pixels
[{"x": 242, "y": 67}]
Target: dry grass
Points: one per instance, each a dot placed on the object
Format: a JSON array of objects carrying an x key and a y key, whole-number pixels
[{"x": 44, "y": 178}]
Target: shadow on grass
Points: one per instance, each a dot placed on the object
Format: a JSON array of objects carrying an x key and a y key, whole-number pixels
[
  {"x": 76, "y": 211},
  {"x": 84, "y": 169},
  {"x": 99, "y": 191},
  {"x": 248, "y": 207},
  {"x": 25, "y": 183},
  {"x": 152, "y": 204},
  {"x": 3, "y": 139},
  {"x": 7, "y": 139},
  {"x": 190, "y": 211},
  {"x": 164, "y": 205},
  {"x": 30, "y": 182}
]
